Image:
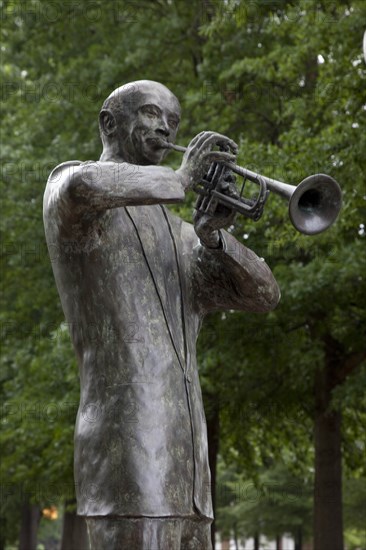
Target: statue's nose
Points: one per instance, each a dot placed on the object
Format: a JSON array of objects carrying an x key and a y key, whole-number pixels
[{"x": 163, "y": 128}]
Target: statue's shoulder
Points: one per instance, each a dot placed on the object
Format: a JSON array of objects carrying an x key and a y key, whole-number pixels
[
  {"x": 57, "y": 184},
  {"x": 63, "y": 169}
]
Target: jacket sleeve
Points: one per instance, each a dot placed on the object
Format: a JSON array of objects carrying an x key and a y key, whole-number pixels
[
  {"x": 97, "y": 186},
  {"x": 232, "y": 277}
]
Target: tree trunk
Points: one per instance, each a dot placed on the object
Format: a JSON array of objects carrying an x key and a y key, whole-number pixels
[
  {"x": 298, "y": 541},
  {"x": 213, "y": 431},
  {"x": 236, "y": 537},
  {"x": 2, "y": 533},
  {"x": 328, "y": 520},
  {"x": 74, "y": 531},
  {"x": 279, "y": 542},
  {"x": 30, "y": 517},
  {"x": 256, "y": 541}
]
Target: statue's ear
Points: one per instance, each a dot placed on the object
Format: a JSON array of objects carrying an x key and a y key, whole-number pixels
[{"x": 107, "y": 122}]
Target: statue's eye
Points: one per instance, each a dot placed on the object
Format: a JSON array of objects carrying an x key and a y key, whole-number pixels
[
  {"x": 150, "y": 111},
  {"x": 173, "y": 123}
]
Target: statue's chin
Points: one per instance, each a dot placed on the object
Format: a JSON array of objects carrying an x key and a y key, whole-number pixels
[
  {"x": 141, "y": 149},
  {"x": 147, "y": 155}
]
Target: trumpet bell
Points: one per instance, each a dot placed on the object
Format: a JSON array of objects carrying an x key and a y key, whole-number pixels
[{"x": 315, "y": 204}]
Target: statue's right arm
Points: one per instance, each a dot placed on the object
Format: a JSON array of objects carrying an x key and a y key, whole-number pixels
[{"x": 104, "y": 185}]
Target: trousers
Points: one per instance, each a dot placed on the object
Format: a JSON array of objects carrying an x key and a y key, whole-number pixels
[{"x": 146, "y": 533}]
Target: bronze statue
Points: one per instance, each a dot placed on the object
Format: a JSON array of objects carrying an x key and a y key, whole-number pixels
[{"x": 135, "y": 282}]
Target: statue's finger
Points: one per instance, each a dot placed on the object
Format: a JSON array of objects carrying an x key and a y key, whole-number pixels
[
  {"x": 219, "y": 156},
  {"x": 200, "y": 138},
  {"x": 209, "y": 139}
]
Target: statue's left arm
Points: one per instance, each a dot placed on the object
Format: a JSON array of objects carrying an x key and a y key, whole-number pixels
[
  {"x": 227, "y": 274},
  {"x": 232, "y": 277}
]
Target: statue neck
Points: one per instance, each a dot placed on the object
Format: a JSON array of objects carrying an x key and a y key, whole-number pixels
[{"x": 111, "y": 153}]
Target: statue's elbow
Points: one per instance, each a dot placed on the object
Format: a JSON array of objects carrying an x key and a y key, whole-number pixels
[{"x": 272, "y": 296}]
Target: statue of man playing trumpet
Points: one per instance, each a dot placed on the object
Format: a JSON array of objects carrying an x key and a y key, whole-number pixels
[{"x": 135, "y": 282}]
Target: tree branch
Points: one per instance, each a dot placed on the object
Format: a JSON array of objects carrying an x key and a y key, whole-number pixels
[{"x": 351, "y": 363}]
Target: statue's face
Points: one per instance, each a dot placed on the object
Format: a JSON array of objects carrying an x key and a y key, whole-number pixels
[{"x": 153, "y": 115}]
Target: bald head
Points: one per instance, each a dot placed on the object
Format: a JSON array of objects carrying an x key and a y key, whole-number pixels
[
  {"x": 124, "y": 101},
  {"x": 139, "y": 109}
]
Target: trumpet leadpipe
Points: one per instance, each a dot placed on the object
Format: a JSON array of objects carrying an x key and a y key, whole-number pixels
[
  {"x": 244, "y": 172},
  {"x": 173, "y": 146}
]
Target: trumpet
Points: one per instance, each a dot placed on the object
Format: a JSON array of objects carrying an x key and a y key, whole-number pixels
[{"x": 313, "y": 204}]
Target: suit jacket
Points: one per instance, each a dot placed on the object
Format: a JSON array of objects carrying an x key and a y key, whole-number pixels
[{"x": 135, "y": 284}]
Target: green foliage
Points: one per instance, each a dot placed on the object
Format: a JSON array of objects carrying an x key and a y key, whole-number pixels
[
  {"x": 278, "y": 503},
  {"x": 38, "y": 419}
]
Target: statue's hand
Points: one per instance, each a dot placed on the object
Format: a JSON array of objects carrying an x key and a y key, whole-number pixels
[
  {"x": 207, "y": 226},
  {"x": 199, "y": 155}
]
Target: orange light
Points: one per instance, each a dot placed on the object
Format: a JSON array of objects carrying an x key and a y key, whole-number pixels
[{"x": 50, "y": 513}]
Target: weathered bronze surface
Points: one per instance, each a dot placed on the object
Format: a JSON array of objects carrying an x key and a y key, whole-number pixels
[{"x": 135, "y": 282}]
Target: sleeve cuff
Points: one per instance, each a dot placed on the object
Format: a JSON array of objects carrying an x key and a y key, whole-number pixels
[{"x": 221, "y": 246}]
